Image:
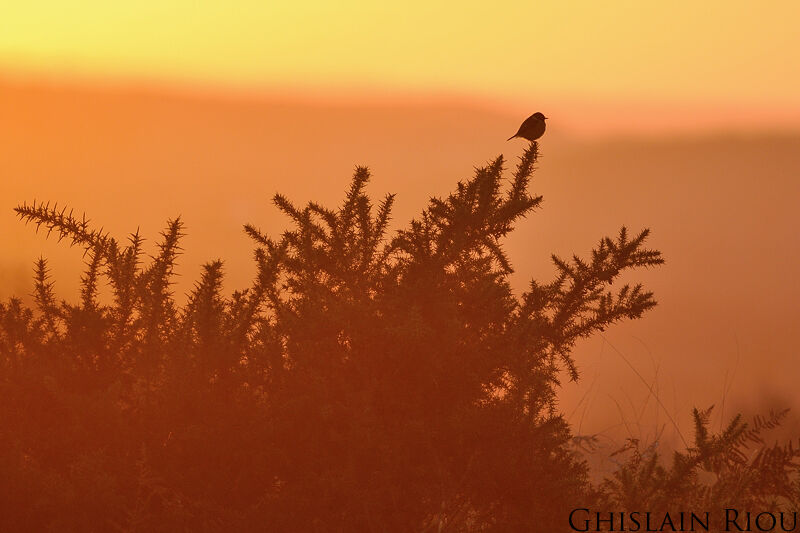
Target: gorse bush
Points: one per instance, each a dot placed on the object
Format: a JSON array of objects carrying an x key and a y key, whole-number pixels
[
  {"x": 364, "y": 382},
  {"x": 734, "y": 469}
]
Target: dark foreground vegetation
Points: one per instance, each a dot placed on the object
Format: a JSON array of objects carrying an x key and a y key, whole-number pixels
[{"x": 364, "y": 382}]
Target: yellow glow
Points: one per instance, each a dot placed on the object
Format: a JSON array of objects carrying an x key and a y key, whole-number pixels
[{"x": 737, "y": 51}]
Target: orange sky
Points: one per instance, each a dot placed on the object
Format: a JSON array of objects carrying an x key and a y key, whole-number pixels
[
  {"x": 423, "y": 93},
  {"x": 597, "y": 65}
]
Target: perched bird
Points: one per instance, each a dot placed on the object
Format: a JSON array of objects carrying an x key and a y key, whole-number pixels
[{"x": 532, "y": 128}]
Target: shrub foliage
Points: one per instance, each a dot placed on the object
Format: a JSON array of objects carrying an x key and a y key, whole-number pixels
[{"x": 363, "y": 382}]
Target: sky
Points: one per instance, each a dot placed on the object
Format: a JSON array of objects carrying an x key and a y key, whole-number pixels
[
  {"x": 683, "y": 117},
  {"x": 600, "y": 65}
]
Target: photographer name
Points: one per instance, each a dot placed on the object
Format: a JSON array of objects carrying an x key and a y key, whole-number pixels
[{"x": 583, "y": 519}]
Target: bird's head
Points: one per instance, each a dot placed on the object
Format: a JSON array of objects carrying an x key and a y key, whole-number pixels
[{"x": 540, "y": 116}]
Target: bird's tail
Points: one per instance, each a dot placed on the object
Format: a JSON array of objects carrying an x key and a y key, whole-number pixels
[{"x": 510, "y": 138}]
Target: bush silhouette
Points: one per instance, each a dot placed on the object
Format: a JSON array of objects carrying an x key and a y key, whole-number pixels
[{"x": 362, "y": 383}]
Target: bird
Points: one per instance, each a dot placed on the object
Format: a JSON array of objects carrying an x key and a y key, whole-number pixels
[{"x": 532, "y": 128}]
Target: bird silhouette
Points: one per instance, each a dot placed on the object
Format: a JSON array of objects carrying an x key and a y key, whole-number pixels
[{"x": 532, "y": 128}]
